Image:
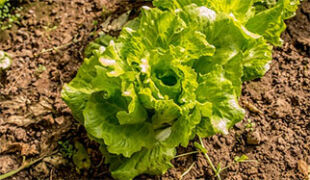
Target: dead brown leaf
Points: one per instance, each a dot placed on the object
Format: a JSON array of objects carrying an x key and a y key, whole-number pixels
[{"x": 20, "y": 121}]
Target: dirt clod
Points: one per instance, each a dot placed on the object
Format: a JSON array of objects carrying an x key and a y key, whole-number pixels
[
  {"x": 7, "y": 164},
  {"x": 253, "y": 138},
  {"x": 41, "y": 168}
]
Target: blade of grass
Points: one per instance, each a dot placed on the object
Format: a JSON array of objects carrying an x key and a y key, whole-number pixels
[
  {"x": 209, "y": 161},
  {"x": 186, "y": 154},
  {"x": 25, "y": 165},
  {"x": 187, "y": 171}
]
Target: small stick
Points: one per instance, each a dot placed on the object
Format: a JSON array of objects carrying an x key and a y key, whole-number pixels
[
  {"x": 185, "y": 154},
  {"x": 100, "y": 163},
  {"x": 57, "y": 47},
  {"x": 187, "y": 171},
  {"x": 252, "y": 108},
  {"x": 209, "y": 160},
  {"x": 53, "y": 49}
]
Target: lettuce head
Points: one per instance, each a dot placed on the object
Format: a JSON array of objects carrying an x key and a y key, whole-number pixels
[{"x": 174, "y": 72}]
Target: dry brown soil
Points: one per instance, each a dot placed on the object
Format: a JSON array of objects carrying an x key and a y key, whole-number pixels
[{"x": 47, "y": 46}]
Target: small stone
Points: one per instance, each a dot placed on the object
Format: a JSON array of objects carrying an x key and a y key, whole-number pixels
[
  {"x": 42, "y": 168},
  {"x": 49, "y": 118},
  {"x": 239, "y": 125},
  {"x": 253, "y": 138},
  {"x": 251, "y": 171},
  {"x": 229, "y": 141},
  {"x": 280, "y": 148},
  {"x": 20, "y": 134},
  {"x": 60, "y": 120},
  {"x": 38, "y": 33},
  {"x": 55, "y": 160},
  {"x": 19, "y": 39},
  {"x": 281, "y": 141},
  {"x": 7, "y": 164},
  {"x": 38, "y": 134},
  {"x": 3, "y": 129},
  {"x": 27, "y": 53}
]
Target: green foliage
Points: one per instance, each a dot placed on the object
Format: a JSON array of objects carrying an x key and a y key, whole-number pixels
[
  {"x": 2, "y": 2},
  {"x": 290, "y": 6},
  {"x": 174, "y": 72},
  {"x": 6, "y": 18},
  {"x": 66, "y": 149},
  {"x": 219, "y": 169},
  {"x": 40, "y": 69},
  {"x": 77, "y": 153},
  {"x": 240, "y": 159},
  {"x": 80, "y": 157},
  {"x": 250, "y": 126}
]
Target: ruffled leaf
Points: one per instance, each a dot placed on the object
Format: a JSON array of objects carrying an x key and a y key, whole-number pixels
[
  {"x": 101, "y": 123},
  {"x": 151, "y": 161}
]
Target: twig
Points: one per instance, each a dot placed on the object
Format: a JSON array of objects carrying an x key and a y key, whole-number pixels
[
  {"x": 102, "y": 173},
  {"x": 25, "y": 165},
  {"x": 209, "y": 161},
  {"x": 53, "y": 49},
  {"x": 51, "y": 174},
  {"x": 57, "y": 47},
  {"x": 100, "y": 163},
  {"x": 185, "y": 154},
  {"x": 187, "y": 171},
  {"x": 251, "y": 107}
]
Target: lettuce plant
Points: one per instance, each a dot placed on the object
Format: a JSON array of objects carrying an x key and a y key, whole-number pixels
[{"x": 174, "y": 72}]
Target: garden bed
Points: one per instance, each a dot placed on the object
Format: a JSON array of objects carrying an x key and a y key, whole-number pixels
[{"x": 47, "y": 47}]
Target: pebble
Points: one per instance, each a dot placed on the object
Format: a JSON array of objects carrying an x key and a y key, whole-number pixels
[
  {"x": 27, "y": 53},
  {"x": 60, "y": 120},
  {"x": 38, "y": 33},
  {"x": 239, "y": 125},
  {"x": 20, "y": 134},
  {"x": 253, "y": 138},
  {"x": 281, "y": 141},
  {"x": 38, "y": 134}
]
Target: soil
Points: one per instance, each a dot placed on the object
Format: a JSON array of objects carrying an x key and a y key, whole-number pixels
[{"x": 47, "y": 45}]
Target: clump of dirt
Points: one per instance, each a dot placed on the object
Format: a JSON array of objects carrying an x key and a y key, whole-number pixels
[{"x": 48, "y": 49}]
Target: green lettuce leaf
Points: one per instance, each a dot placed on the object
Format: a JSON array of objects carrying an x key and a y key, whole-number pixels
[
  {"x": 269, "y": 23},
  {"x": 218, "y": 90},
  {"x": 153, "y": 161},
  {"x": 290, "y": 6},
  {"x": 101, "y": 122}
]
